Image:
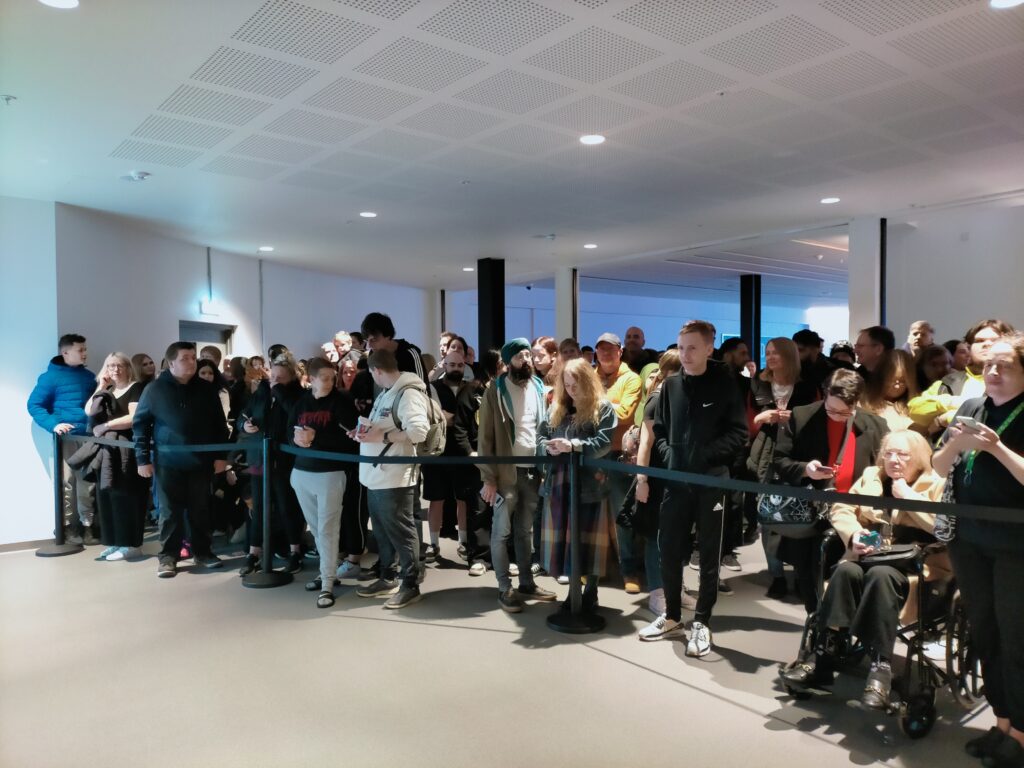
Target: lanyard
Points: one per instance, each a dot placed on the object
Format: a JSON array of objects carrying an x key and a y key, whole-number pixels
[{"x": 973, "y": 455}]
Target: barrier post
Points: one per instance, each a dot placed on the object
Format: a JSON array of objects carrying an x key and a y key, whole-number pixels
[
  {"x": 575, "y": 621},
  {"x": 266, "y": 577},
  {"x": 59, "y": 548}
]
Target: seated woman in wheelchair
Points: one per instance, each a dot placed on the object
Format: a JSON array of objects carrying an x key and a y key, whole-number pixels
[{"x": 862, "y": 599}]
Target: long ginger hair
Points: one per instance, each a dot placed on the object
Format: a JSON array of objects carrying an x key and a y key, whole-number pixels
[{"x": 588, "y": 396}]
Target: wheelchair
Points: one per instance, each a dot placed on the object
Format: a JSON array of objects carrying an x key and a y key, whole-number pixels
[{"x": 941, "y": 620}]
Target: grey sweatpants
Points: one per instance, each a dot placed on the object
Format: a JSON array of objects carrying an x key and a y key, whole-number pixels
[{"x": 320, "y": 495}]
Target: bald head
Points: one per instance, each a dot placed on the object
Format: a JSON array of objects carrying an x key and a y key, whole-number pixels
[
  {"x": 454, "y": 366},
  {"x": 635, "y": 339}
]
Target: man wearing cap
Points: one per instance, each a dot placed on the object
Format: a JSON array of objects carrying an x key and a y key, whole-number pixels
[
  {"x": 622, "y": 389},
  {"x": 510, "y": 414}
]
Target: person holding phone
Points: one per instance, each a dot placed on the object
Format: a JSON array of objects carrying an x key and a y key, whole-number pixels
[
  {"x": 827, "y": 444},
  {"x": 983, "y": 451}
]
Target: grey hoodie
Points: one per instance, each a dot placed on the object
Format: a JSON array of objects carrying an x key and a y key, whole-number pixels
[{"x": 412, "y": 413}]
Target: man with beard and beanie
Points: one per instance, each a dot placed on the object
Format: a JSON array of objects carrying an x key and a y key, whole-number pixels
[{"x": 510, "y": 414}]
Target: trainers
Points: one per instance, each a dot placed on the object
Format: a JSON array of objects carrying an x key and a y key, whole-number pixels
[
  {"x": 168, "y": 568},
  {"x": 695, "y": 560},
  {"x": 90, "y": 539},
  {"x": 403, "y": 597},
  {"x": 132, "y": 553},
  {"x": 117, "y": 554},
  {"x": 432, "y": 554},
  {"x": 379, "y": 588},
  {"x": 294, "y": 562},
  {"x": 349, "y": 570},
  {"x": 509, "y": 601},
  {"x": 370, "y": 574},
  {"x": 779, "y": 588},
  {"x": 562, "y": 579},
  {"x": 462, "y": 553},
  {"x": 513, "y": 570},
  {"x": 731, "y": 562},
  {"x": 251, "y": 565},
  {"x": 537, "y": 570},
  {"x": 656, "y": 601},
  {"x": 700, "y": 640},
  {"x": 209, "y": 560},
  {"x": 632, "y": 585},
  {"x": 533, "y": 592},
  {"x": 725, "y": 589},
  {"x": 986, "y": 744},
  {"x": 1008, "y": 753},
  {"x": 662, "y": 627},
  {"x": 479, "y": 568},
  {"x": 107, "y": 553}
]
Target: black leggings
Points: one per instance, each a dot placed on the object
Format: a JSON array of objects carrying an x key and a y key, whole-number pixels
[
  {"x": 122, "y": 515},
  {"x": 285, "y": 512}
]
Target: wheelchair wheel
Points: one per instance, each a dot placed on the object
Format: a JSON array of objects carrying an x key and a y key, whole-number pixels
[
  {"x": 962, "y": 666},
  {"x": 918, "y": 718}
]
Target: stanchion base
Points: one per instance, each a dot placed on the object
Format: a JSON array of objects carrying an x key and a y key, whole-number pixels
[
  {"x": 59, "y": 550},
  {"x": 575, "y": 624},
  {"x": 261, "y": 580}
]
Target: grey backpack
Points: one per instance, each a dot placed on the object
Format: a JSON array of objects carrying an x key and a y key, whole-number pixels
[{"x": 437, "y": 432}]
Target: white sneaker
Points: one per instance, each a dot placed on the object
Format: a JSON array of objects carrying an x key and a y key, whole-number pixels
[
  {"x": 656, "y": 602},
  {"x": 348, "y": 570},
  {"x": 662, "y": 627},
  {"x": 700, "y": 640},
  {"x": 108, "y": 552},
  {"x": 513, "y": 570},
  {"x": 562, "y": 579},
  {"x": 479, "y": 568},
  {"x": 117, "y": 554}
]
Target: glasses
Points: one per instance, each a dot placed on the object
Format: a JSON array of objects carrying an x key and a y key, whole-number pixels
[
  {"x": 901, "y": 455},
  {"x": 839, "y": 414}
]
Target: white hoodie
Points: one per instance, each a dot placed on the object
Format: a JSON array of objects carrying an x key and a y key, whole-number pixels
[{"x": 412, "y": 413}]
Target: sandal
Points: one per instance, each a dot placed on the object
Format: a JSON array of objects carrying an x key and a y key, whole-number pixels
[{"x": 325, "y": 600}]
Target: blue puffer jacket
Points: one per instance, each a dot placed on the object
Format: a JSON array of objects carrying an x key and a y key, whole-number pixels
[{"x": 60, "y": 395}]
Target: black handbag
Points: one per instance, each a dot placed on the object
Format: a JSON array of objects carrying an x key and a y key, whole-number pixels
[{"x": 902, "y": 557}]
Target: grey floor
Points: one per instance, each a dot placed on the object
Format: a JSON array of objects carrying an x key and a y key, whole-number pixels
[{"x": 103, "y": 664}]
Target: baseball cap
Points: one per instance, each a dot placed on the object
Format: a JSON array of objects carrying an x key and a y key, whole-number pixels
[{"x": 611, "y": 338}]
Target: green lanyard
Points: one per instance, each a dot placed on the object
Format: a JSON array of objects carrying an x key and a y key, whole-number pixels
[{"x": 973, "y": 455}]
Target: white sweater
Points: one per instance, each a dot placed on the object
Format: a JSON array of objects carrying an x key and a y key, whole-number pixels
[{"x": 412, "y": 413}]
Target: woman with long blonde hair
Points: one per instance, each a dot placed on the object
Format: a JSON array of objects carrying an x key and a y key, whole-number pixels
[{"x": 579, "y": 420}]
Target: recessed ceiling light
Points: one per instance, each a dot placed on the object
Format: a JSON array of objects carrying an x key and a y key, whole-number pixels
[
  {"x": 137, "y": 176},
  {"x": 467, "y": 269},
  {"x": 63, "y": 4},
  {"x": 590, "y": 245},
  {"x": 829, "y": 200},
  {"x": 368, "y": 214},
  {"x": 1005, "y": 3},
  {"x": 820, "y": 256},
  {"x": 591, "y": 139},
  {"x": 266, "y": 249}
]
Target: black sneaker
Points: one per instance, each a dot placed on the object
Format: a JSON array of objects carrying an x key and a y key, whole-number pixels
[
  {"x": 294, "y": 562},
  {"x": 406, "y": 596},
  {"x": 725, "y": 589},
  {"x": 379, "y": 588},
  {"x": 750, "y": 535},
  {"x": 779, "y": 588},
  {"x": 251, "y": 565},
  {"x": 509, "y": 601},
  {"x": 91, "y": 537},
  {"x": 167, "y": 568},
  {"x": 432, "y": 555},
  {"x": 208, "y": 560},
  {"x": 985, "y": 745},
  {"x": 731, "y": 562},
  {"x": 463, "y": 555},
  {"x": 533, "y": 592},
  {"x": 370, "y": 574},
  {"x": 1008, "y": 753}
]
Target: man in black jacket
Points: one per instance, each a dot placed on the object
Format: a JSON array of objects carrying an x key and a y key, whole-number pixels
[
  {"x": 179, "y": 408},
  {"x": 699, "y": 427}
]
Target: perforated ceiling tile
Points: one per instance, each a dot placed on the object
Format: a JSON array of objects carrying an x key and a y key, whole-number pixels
[
  {"x": 795, "y": 128},
  {"x": 845, "y": 145},
  {"x": 688, "y": 22},
  {"x": 450, "y": 121},
  {"x": 472, "y": 162},
  {"x": 498, "y": 26},
  {"x": 240, "y": 166},
  {"x": 327, "y": 182},
  {"x": 161, "y": 154},
  {"x": 514, "y": 92},
  {"x": 808, "y": 177},
  {"x": 591, "y": 3},
  {"x": 883, "y": 160},
  {"x": 361, "y": 99},
  {"x": 301, "y": 124},
  {"x": 781, "y": 43},
  {"x": 385, "y": 192},
  {"x": 399, "y": 145},
  {"x": 357, "y": 166},
  {"x": 894, "y": 100},
  {"x": 735, "y": 109},
  {"x": 303, "y": 31},
  {"x": 420, "y": 65},
  {"x": 268, "y": 148},
  {"x": 959, "y": 38},
  {"x": 994, "y": 74},
  {"x": 592, "y": 114},
  {"x": 935, "y": 123},
  {"x": 876, "y": 17},
  {"x": 245, "y": 71},
  {"x": 974, "y": 140},
  {"x": 527, "y": 140},
  {"x": 389, "y": 9},
  {"x": 829, "y": 79},
  {"x": 593, "y": 55},
  {"x": 659, "y": 135},
  {"x": 673, "y": 84},
  {"x": 181, "y": 132},
  {"x": 714, "y": 152},
  {"x": 212, "y": 105}
]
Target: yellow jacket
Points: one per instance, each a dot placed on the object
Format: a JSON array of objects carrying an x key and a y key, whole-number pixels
[
  {"x": 623, "y": 392},
  {"x": 930, "y": 404}
]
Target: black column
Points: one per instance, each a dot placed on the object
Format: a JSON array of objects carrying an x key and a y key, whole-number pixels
[
  {"x": 750, "y": 315},
  {"x": 883, "y": 244},
  {"x": 490, "y": 288}
]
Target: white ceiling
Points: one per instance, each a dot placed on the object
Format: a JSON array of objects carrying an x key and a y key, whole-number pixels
[{"x": 277, "y": 121}]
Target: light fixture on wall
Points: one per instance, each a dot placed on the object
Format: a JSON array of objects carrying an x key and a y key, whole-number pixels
[
  {"x": 368, "y": 214},
  {"x": 62, "y": 4},
  {"x": 590, "y": 246},
  {"x": 468, "y": 269},
  {"x": 592, "y": 139},
  {"x": 829, "y": 200},
  {"x": 266, "y": 249}
]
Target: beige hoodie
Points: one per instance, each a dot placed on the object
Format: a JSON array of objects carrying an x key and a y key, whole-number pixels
[{"x": 412, "y": 413}]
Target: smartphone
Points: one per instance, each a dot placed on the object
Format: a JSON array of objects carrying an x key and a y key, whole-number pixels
[
  {"x": 498, "y": 501},
  {"x": 970, "y": 423},
  {"x": 873, "y": 540}
]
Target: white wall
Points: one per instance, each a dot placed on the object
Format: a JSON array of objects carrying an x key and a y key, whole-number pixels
[
  {"x": 28, "y": 336},
  {"x": 956, "y": 267}
]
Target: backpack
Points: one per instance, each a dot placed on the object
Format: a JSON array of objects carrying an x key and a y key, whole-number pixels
[{"x": 437, "y": 431}]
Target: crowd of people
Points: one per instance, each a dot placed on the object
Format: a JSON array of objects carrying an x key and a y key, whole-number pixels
[{"x": 920, "y": 421}]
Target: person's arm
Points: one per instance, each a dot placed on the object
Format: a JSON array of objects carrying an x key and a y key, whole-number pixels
[
  {"x": 40, "y": 405},
  {"x": 661, "y": 425},
  {"x": 929, "y": 405},
  {"x": 845, "y": 518},
  {"x": 142, "y": 429},
  {"x": 629, "y": 398},
  {"x": 601, "y": 441},
  {"x": 731, "y": 433},
  {"x": 412, "y": 414},
  {"x": 790, "y": 470},
  {"x": 485, "y": 435},
  {"x": 464, "y": 415}
]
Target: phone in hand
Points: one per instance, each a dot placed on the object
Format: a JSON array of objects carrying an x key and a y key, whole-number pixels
[
  {"x": 969, "y": 423},
  {"x": 873, "y": 540},
  {"x": 498, "y": 501}
]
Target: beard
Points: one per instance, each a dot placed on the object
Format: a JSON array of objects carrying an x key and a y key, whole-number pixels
[{"x": 521, "y": 374}]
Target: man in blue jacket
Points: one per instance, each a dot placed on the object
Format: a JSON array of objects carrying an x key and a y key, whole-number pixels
[{"x": 57, "y": 404}]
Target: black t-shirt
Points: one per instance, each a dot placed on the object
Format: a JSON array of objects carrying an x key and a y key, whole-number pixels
[
  {"x": 650, "y": 411},
  {"x": 991, "y": 483}
]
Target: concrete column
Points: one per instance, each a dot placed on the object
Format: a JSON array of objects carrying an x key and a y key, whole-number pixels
[
  {"x": 566, "y": 303},
  {"x": 865, "y": 264}
]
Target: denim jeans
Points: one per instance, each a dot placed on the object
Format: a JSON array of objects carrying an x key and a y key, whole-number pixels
[
  {"x": 617, "y": 484},
  {"x": 397, "y": 534},
  {"x": 514, "y": 518}
]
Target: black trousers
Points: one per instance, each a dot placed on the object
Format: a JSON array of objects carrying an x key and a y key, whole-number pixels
[
  {"x": 805, "y": 557},
  {"x": 990, "y": 582},
  {"x": 285, "y": 512},
  {"x": 355, "y": 515},
  {"x": 867, "y": 602},
  {"x": 122, "y": 515},
  {"x": 684, "y": 509},
  {"x": 184, "y": 494}
]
